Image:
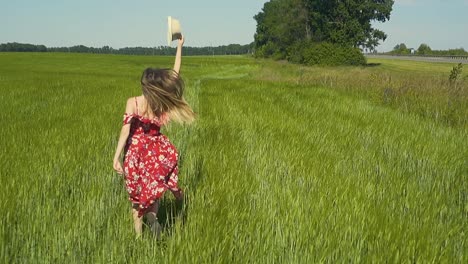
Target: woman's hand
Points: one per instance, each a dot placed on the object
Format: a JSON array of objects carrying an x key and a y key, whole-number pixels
[
  {"x": 118, "y": 167},
  {"x": 181, "y": 41}
]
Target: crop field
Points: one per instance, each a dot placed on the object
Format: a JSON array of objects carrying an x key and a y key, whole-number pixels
[{"x": 285, "y": 164}]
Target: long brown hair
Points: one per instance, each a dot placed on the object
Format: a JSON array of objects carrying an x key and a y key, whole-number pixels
[{"x": 163, "y": 90}]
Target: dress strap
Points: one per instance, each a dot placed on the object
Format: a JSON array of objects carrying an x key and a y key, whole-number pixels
[{"x": 136, "y": 104}]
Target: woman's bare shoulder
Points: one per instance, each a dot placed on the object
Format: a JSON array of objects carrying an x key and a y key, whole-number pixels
[{"x": 130, "y": 107}]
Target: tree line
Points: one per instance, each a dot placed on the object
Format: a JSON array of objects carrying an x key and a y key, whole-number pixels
[
  {"x": 424, "y": 49},
  {"x": 231, "y": 49},
  {"x": 320, "y": 31}
]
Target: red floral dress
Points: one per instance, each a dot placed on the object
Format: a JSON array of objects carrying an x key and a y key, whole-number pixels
[{"x": 150, "y": 162}]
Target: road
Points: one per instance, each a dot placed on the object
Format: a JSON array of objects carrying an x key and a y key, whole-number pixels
[{"x": 415, "y": 58}]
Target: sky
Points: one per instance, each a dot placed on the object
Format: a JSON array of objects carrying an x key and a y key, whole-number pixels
[{"x": 442, "y": 24}]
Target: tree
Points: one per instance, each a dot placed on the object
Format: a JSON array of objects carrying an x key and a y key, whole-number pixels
[
  {"x": 282, "y": 23},
  {"x": 231, "y": 49},
  {"x": 400, "y": 49},
  {"x": 424, "y": 49},
  {"x": 22, "y": 47},
  {"x": 349, "y": 22},
  {"x": 279, "y": 25}
]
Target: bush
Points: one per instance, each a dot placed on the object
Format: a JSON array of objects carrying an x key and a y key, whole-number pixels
[
  {"x": 312, "y": 53},
  {"x": 269, "y": 50},
  {"x": 332, "y": 54},
  {"x": 296, "y": 52}
]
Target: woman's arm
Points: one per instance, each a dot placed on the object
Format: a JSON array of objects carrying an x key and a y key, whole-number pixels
[
  {"x": 124, "y": 132},
  {"x": 178, "y": 57}
]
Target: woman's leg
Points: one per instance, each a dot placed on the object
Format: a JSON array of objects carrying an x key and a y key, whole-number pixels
[
  {"x": 137, "y": 222},
  {"x": 178, "y": 194},
  {"x": 152, "y": 217}
]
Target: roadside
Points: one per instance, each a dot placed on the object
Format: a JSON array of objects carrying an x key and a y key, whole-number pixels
[{"x": 417, "y": 58}]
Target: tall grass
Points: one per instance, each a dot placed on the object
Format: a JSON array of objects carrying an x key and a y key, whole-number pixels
[
  {"x": 278, "y": 168},
  {"x": 412, "y": 87}
]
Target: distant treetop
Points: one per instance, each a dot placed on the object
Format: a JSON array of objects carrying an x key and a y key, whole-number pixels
[{"x": 231, "y": 49}]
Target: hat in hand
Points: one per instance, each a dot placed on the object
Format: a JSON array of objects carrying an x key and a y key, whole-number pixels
[{"x": 173, "y": 30}]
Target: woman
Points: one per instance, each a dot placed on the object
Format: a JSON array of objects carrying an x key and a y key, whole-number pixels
[{"x": 150, "y": 159}]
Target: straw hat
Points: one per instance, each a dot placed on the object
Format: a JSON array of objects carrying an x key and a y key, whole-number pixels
[{"x": 174, "y": 30}]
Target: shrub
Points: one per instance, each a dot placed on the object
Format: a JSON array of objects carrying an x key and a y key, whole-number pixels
[
  {"x": 456, "y": 73},
  {"x": 332, "y": 55},
  {"x": 270, "y": 50},
  {"x": 313, "y": 53},
  {"x": 296, "y": 52}
]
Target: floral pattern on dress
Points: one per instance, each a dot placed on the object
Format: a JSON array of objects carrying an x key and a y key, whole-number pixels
[{"x": 150, "y": 163}]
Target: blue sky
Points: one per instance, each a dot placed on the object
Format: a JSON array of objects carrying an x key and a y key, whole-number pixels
[{"x": 442, "y": 24}]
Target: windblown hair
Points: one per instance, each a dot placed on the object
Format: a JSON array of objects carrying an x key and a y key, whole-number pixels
[{"x": 163, "y": 90}]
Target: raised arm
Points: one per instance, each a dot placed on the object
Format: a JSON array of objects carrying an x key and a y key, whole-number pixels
[{"x": 178, "y": 58}]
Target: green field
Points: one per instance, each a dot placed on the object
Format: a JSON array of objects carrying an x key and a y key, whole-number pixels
[{"x": 285, "y": 164}]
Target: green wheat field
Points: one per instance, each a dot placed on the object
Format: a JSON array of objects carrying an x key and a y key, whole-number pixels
[{"x": 285, "y": 163}]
